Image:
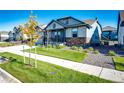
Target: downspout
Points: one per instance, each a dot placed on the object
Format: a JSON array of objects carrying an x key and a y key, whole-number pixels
[{"x": 118, "y": 27}]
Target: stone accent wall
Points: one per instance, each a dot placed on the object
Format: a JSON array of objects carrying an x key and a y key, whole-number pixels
[{"x": 76, "y": 41}]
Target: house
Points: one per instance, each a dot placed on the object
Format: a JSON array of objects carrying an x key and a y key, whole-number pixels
[
  {"x": 121, "y": 28},
  {"x": 40, "y": 30},
  {"x": 10, "y": 34},
  {"x": 15, "y": 35},
  {"x": 71, "y": 30},
  {"x": 109, "y": 35},
  {"x": 3, "y": 36}
]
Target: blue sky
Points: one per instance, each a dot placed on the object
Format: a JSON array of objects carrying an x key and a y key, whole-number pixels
[{"x": 11, "y": 18}]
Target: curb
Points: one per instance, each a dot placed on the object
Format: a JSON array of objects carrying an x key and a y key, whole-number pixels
[{"x": 8, "y": 77}]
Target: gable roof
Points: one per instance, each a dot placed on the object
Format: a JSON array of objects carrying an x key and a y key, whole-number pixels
[
  {"x": 56, "y": 22},
  {"x": 69, "y": 17},
  {"x": 42, "y": 26},
  {"x": 121, "y": 18},
  {"x": 10, "y": 32},
  {"x": 122, "y": 15},
  {"x": 89, "y": 21},
  {"x": 109, "y": 28},
  {"x": 81, "y": 23}
]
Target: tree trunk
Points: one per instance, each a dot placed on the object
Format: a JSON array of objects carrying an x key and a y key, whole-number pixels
[
  {"x": 30, "y": 50},
  {"x": 24, "y": 55},
  {"x": 30, "y": 56},
  {"x": 35, "y": 58}
]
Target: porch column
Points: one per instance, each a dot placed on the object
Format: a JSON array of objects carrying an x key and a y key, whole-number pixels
[{"x": 47, "y": 37}]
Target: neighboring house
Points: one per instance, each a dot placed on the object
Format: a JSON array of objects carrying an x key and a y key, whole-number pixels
[
  {"x": 15, "y": 35},
  {"x": 121, "y": 28},
  {"x": 3, "y": 36},
  {"x": 109, "y": 33},
  {"x": 40, "y": 30},
  {"x": 10, "y": 36},
  {"x": 64, "y": 29}
]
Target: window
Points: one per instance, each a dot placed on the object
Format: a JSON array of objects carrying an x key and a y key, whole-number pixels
[
  {"x": 59, "y": 33},
  {"x": 66, "y": 22},
  {"x": 55, "y": 33},
  {"x": 54, "y": 25},
  {"x": 74, "y": 32}
]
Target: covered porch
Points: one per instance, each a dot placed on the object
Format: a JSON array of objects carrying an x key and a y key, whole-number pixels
[{"x": 56, "y": 36}]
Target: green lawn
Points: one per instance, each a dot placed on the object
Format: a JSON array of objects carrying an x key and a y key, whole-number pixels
[
  {"x": 45, "y": 72},
  {"x": 59, "y": 53},
  {"x": 5, "y": 44},
  {"x": 119, "y": 63}
]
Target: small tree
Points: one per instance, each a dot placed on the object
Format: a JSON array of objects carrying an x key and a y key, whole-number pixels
[
  {"x": 23, "y": 40},
  {"x": 29, "y": 29}
]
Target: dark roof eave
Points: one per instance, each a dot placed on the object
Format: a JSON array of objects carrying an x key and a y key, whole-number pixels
[
  {"x": 110, "y": 30},
  {"x": 88, "y": 26},
  {"x": 54, "y": 21}
]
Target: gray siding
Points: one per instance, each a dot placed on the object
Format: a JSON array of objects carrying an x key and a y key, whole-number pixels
[{"x": 50, "y": 27}]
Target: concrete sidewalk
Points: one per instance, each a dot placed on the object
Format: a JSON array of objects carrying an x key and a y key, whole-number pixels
[
  {"x": 5, "y": 77},
  {"x": 105, "y": 73}
]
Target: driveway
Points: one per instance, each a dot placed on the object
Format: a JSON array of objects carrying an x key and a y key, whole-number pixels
[{"x": 100, "y": 60}]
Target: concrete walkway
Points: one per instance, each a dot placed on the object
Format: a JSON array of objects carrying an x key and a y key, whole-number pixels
[{"x": 105, "y": 73}]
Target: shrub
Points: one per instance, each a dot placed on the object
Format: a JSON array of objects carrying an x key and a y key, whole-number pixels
[
  {"x": 111, "y": 53},
  {"x": 42, "y": 46},
  {"x": 60, "y": 46},
  {"x": 90, "y": 49},
  {"x": 2, "y": 56},
  {"x": 74, "y": 48},
  {"x": 49, "y": 46},
  {"x": 12, "y": 59},
  {"x": 80, "y": 49},
  {"x": 86, "y": 51},
  {"x": 96, "y": 52}
]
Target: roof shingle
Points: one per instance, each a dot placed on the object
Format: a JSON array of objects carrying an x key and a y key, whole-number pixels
[
  {"x": 122, "y": 15},
  {"x": 109, "y": 28},
  {"x": 89, "y": 21}
]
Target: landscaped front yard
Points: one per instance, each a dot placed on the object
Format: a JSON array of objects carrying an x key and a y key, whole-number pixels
[
  {"x": 7, "y": 44},
  {"x": 60, "y": 53},
  {"x": 119, "y": 63},
  {"x": 45, "y": 72}
]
